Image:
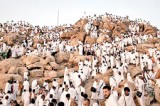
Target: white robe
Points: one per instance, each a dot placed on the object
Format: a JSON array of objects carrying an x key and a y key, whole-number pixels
[
  {"x": 7, "y": 87},
  {"x": 80, "y": 49},
  {"x": 95, "y": 94},
  {"x": 63, "y": 96},
  {"x": 72, "y": 93},
  {"x": 126, "y": 101},
  {"x": 111, "y": 101},
  {"x": 15, "y": 90},
  {"x": 26, "y": 98},
  {"x": 26, "y": 85}
]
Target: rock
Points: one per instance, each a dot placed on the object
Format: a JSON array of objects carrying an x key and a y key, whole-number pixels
[
  {"x": 36, "y": 73},
  {"x": 148, "y": 29},
  {"x": 68, "y": 35},
  {"x": 101, "y": 39},
  {"x": 50, "y": 59},
  {"x": 48, "y": 67},
  {"x": 76, "y": 59},
  {"x": 157, "y": 76},
  {"x": 54, "y": 65},
  {"x": 90, "y": 40},
  {"x": 36, "y": 65},
  {"x": 31, "y": 59},
  {"x": 21, "y": 70},
  {"x": 47, "y": 59},
  {"x": 74, "y": 42},
  {"x": 96, "y": 23},
  {"x": 129, "y": 48},
  {"x": 135, "y": 71},
  {"x": 44, "y": 61},
  {"x": 80, "y": 36},
  {"x": 13, "y": 70},
  {"x": 60, "y": 73},
  {"x": 50, "y": 75},
  {"x": 61, "y": 57},
  {"x": 157, "y": 93},
  {"x": 5, "y": 77},
  {"x": 144, "y": 47},
  {"x": 109, "y": 25},
  {"x": 6, "y": 64},
  {"x": 12, "y": 38}
]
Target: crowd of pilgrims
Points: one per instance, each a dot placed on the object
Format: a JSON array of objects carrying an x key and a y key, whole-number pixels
[{"x": 110, "y": 55}]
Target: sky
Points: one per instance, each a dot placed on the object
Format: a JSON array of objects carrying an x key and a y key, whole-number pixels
[{"x": 45, "y": 12}]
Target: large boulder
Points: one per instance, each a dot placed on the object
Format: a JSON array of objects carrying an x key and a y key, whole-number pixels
[
  {"x": 54, "y": 65},
  {"x": 50, "y": 74},
  {"x": 90, "y": 40},
  {"x": 144, "y": 47},
  {"x": 76, "y": 59},
  {"x": 46, "y": 60},
  {"x": 74, "y": 42},
  {"x": 12, "y": 38},
  {"x": 157, "y": 93},
  {"x": 61, "y": 57},
  {"x": 102, "y": 38},
  {"x": 157, "y": 76},
  {"x": 148, "y": 29},
  {"x": 80, "y": 36},
  {"x": 48, "y": 67},
  {"x": 36, "y": 73},
  {"x": 31, "y": 59},
  {"x": 5, "y": 77},
  {"x": 60, "y": 73},
  {"x": 36, "y": 65},
  {"x": 21, "y": 70},
  {"x": 13, "y": 70},
  {"x": 135, "y": 71},
  {"x": 6, "y": 64},
  {"x": 109, "y": 25}
]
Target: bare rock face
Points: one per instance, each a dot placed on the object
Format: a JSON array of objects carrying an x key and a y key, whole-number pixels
[
  {"x": 157, "y": 93},
  {"x": 61, "y": 57},
  {"x": 144, "y": 47},
  {"x": 148, "y": 29},
  {"x": 13, "y": 70},
  {"x": 50, "y": 75},
  {"x": 102, "y": 39},
  {"x": 60, "y": 73},
  {"x": 76, "y": 59},
  {"x": 48, "y": 67},
  {"x": 90, "y": 40},
  {"x": 74, "y": 42},
  {"x": 135, "y": 71},
  {"x": 31, "y": 59},
  {"x": 6, "y": 64},
  {"x": 5, "y": 77},
  {"x": 12, "y": 38},
  {"x": 21, "y": 70},
  {"x": 54, "y": 65},
  {"x": 36, "y": 73},
  {"x": 157, "y": 76},
  {"x": 36, "y": 65}
]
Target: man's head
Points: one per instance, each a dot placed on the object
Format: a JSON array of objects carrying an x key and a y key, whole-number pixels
[
  {"x": 68, "y": 96},
  {"x": 32, "y": 101},
  {"x": 86, "y": 102},
  {"x": 60, "y": 104},
  {"x": 106, "y": 91},
  {"x": 126, "y": 91}
]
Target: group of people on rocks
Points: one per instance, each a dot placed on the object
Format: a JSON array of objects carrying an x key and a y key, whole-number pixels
[{"x": 105, "y": 56}]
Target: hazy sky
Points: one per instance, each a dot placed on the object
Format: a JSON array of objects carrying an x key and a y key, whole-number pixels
[{"x": 44, "y": 12}]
